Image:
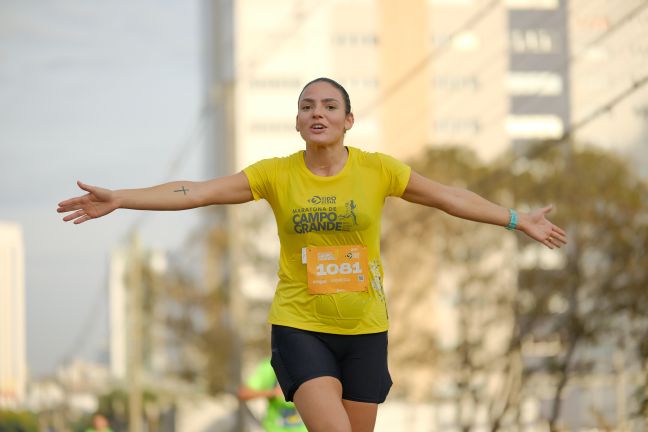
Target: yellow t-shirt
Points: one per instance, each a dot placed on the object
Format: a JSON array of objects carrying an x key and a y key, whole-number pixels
[{"x": 312, "y": 210}]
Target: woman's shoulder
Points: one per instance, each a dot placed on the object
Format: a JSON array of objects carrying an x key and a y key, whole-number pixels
[
  {"x": 278, "y": 162},
  {"x": 371, "y": 158}
]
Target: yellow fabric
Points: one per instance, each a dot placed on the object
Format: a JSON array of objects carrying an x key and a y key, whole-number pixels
[{"x": 312, "y": 210}]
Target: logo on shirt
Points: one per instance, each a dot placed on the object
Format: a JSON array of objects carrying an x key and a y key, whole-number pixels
[
  {"x": 324, "y": 218},
  {"x": 350, "y": 207},
  {"x": 317, "y": 200}
]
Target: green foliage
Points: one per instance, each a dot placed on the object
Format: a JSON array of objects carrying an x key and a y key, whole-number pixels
[{"x": 18, "y": 421}]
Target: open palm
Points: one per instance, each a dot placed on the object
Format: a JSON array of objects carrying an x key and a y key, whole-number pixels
[
  {"x": 96, "y": 203},
  {"x": 543, "y": 230}
]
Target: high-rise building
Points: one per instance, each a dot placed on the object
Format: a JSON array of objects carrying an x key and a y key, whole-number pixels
[
  {"x": 13, "y": 368},
  {"x": 488, "y": 75}
]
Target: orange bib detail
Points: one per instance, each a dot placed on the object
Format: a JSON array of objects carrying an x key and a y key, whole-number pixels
[{"x": 336, "y": 269}]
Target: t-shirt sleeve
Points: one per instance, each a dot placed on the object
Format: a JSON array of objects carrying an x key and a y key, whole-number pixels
[
  {"x": 262, "y": 378},
  {"x": 262, "y": 176},
  {"x": 396, "y": 173}
]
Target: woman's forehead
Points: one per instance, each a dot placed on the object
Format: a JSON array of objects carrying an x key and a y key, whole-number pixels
[{"x": 321, "y": 90}]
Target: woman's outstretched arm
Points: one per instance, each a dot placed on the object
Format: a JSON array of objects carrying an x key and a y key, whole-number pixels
[
  {"x": 177, "y": 195},
  {"x": 468, "y": 205}
]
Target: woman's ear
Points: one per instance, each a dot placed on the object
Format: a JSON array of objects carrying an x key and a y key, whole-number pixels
[{"x": 348, "y": 122}]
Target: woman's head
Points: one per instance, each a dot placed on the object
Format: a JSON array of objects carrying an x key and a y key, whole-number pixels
[
  {"x": 323, "y": 112},
  {"x": 345, "y": 95}
]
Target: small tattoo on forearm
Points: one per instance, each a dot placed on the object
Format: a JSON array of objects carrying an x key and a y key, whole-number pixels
[{"x": 183, "y": 190}]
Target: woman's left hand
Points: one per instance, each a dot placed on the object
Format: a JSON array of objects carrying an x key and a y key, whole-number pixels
[{"x": 538, "y": 227}]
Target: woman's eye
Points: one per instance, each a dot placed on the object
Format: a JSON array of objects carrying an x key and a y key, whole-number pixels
[{"x": 331, "y": 107}]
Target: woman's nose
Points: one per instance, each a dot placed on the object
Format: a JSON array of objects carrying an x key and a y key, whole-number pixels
[{"x": 317, "y": 111}]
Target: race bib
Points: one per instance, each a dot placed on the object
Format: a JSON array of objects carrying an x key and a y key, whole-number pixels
[{"x": 337, "y": 269}]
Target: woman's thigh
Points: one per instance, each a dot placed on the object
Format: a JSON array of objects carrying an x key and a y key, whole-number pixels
[
  {"x": 362, "y": 415},
  {"x": 319, "y": 402}
]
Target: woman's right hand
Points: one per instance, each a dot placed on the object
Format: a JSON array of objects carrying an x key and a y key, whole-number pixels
[{"x": 96, "y": 203}]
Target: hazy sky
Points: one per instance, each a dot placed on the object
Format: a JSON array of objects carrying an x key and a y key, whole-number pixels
[{"x": 108, "y": 93}]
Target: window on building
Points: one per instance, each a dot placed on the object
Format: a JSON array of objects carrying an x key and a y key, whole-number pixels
[
  {"x": 545, "y": 126},
  {"x": 355, "y": 39},
  {"x": 596, "y": 54},
  {"x": 532, "y": 4},
  {"x": 271, "y": 127},
  {"x": 275, "y": 83},
  {"x": 368, "y": 83},
  {"x": 535, "y": 83},
  {"x": 463, "y": 41},
  {"x": 534, "y": 41},
  {"x": 452, "y": 2},
  {"x": 457, "y": 126},
  {"x": 456, "y": 83}
]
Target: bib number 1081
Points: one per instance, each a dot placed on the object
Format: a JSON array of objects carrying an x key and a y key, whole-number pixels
[{"x": 333, "y": 269}]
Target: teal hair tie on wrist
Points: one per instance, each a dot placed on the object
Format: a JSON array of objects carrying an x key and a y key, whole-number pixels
[{"x": 513, "y": 220}]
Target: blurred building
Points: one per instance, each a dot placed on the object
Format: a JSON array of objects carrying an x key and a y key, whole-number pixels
[
  {"x": 73, "y": 392},
  {"x": 538, "y": 77},
  {"x": 609, "y": 55},
  {"x": 13, "y": 367},
  {"x": 76, "y": 385},
  {"x": 152, "y": 331},
  {"x": 475, "y": 72}
]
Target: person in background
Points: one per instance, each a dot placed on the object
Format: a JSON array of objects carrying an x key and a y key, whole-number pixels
[
  {"x": 99, "y": 424},
  {"x": 280, "y": 416}
]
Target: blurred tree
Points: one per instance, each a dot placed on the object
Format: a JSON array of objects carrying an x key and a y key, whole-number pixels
[
  {"x": 449, "y": 340},
  {"x": 595, "y": 296},
  {"x": 18, "y": 421},
  {"x": 201, "y": 323},
  {"x": 465, "y": 316},
  {"x": 114, "y": 406}
]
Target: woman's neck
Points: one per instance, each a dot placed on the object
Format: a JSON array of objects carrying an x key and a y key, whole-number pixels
[{"x": 325, "y": 161}]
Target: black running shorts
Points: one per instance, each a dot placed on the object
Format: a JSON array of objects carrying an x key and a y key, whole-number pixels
[{"x": 358, "y": 361}]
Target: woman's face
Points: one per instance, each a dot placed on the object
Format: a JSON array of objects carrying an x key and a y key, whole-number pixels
[{"x": 321, "y": 116}]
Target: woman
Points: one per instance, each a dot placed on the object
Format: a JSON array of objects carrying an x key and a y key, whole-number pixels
[{"x": 329, "y": 316}]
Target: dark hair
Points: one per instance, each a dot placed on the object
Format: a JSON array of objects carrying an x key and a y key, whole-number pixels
[{"x": 337, "y": 85}]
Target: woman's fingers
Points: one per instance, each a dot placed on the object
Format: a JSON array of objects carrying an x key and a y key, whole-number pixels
[
  {"x": 82, "y": 219},
  {"x": 547, "y": 209},
  {"x": 547, "y": 242},
  {"x": 559, "y": 236},
  {"x": 74, "y": 215},
  {"x": 83, "y": 205},
  {"x": 559, "y": 231},
  {"x": 71, "y": 202},
  {"x": 79, "y": 199},
  {"x": 68, "y": 207},
  {"x": 555, "y": 239},
  {"x": 85, "y": 187}
]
